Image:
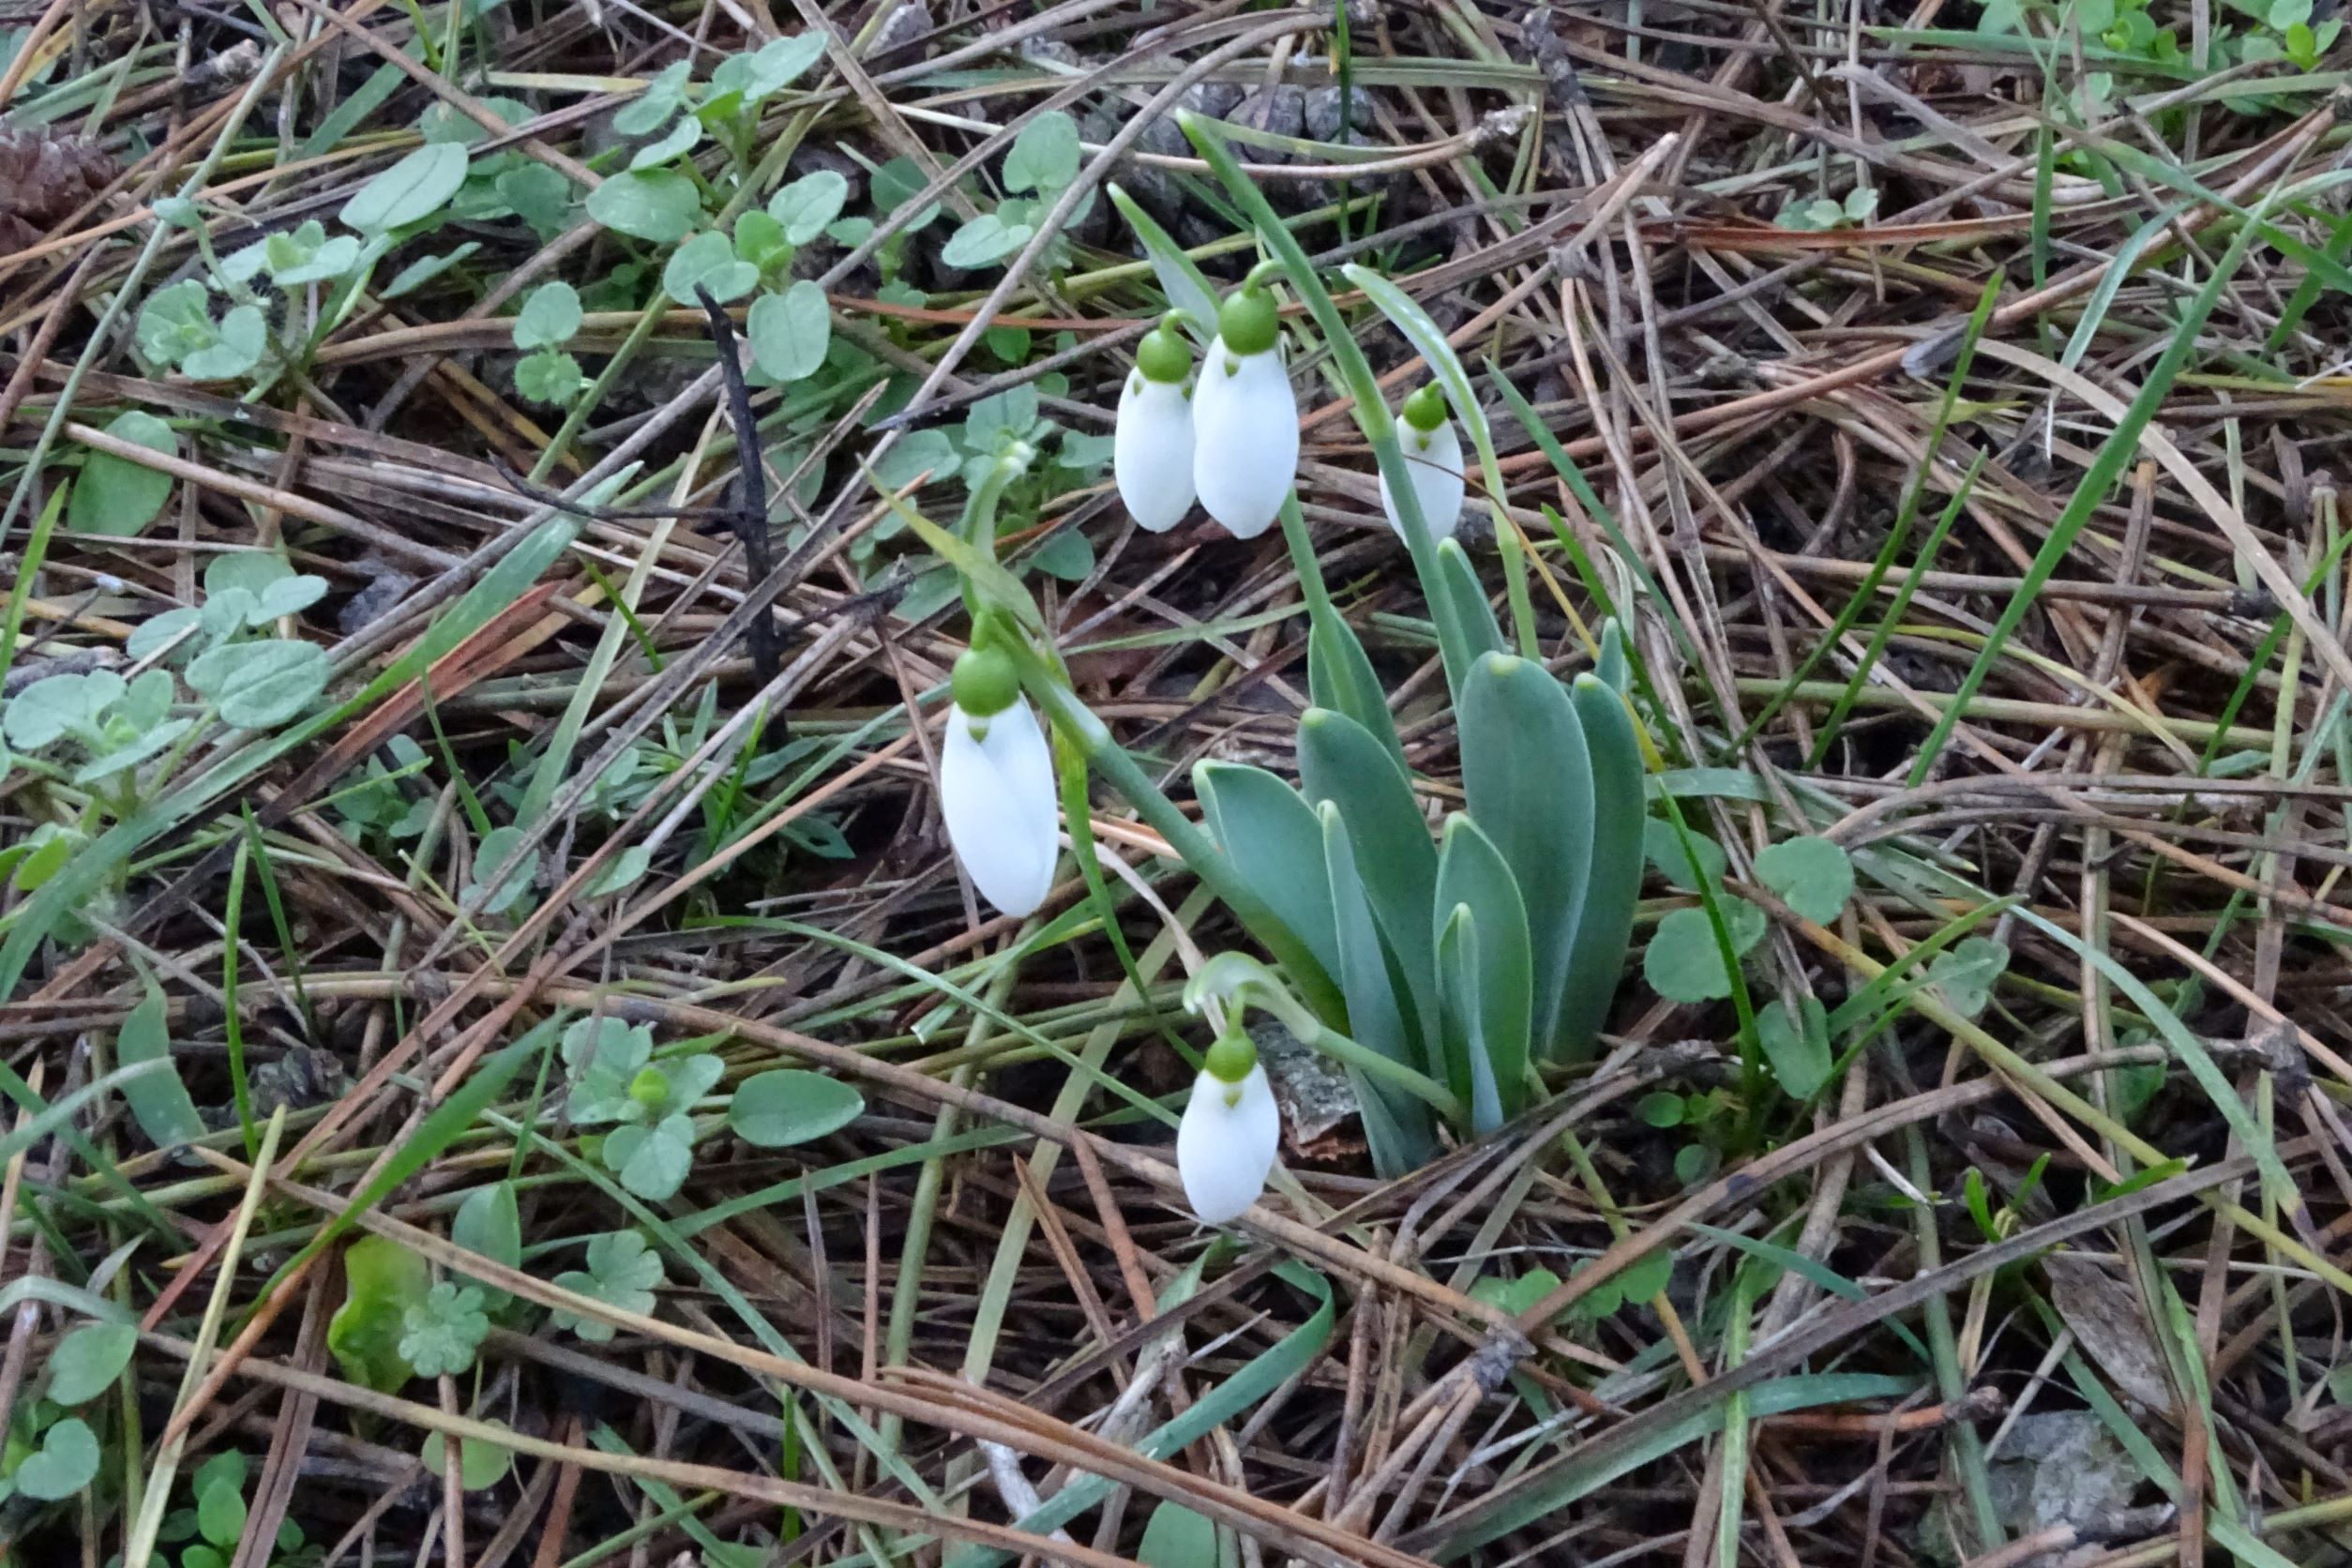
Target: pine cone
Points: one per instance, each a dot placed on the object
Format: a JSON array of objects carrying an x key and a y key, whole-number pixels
[{"x": 43, "y": 179}]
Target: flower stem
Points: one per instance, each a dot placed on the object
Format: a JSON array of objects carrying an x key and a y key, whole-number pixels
[
  {"x": 1103, "y": 752},
  {"x": 1371, "y": 407}
]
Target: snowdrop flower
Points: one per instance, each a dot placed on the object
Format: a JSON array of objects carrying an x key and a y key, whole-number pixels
[
  {"x": 1244, "y": 420},
  {"x": 1433, "y": 455},
  {"x": 1152, "y": 442},
  {"x": 996, "y": 785},
  {"x": 1226, "y": 1143}
]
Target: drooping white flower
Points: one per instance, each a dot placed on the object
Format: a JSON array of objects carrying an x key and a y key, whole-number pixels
[
  {"x": 1245, "y": 418},
  {"x": 1433, "y": 456},
  {"x": 1226, "y": 1141},
  {"x": 995, "y": 786},
  {"x": 1152, "y": 442}
]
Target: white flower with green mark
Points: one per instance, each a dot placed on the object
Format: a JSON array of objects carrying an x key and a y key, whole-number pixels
[
  {"x": 1433, "y": 456},
  {"x": 1245, "y": 418},
  {"x": 1152, "y": 441},
  {"x": 1226, "y": 1144},
  {"x": 996, "y": 785}
]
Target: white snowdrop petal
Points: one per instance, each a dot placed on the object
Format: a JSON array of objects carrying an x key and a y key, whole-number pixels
[
  {"x": 1152, "y": 452},
  {"x": 997, "y": 793},
  {"x": 1245, "y": 438},
  {"x": 1434, "y": 459},
  {"x": 1226, "y": 1144}
]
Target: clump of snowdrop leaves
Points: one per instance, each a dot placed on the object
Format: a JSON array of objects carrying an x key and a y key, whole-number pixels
[
  {"x": 1226, "y": 1143},
  {"x": 1152, "y": 445},
  {"x": 1433, "y": 456},
  {"x": 996, "y": 785},
  {"x": 1245, "y": 418}
]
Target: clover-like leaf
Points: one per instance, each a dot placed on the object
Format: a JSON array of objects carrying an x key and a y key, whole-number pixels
[
  {"x": 497, "y": 847},
  {"x": 1045, "y": 156},
  {"x": 550, "y": 317},
  {"x": 663, "y": 97},
  {"x": 652, "y": 1160},
  {"x": 789, "y": 332},
  {"x": 409, "y": 192},
  {"x": 770, "y": 68},
  {"x": 809, "y": 203},
  {"x": 983, "y": 240},
  {"x": 1968, "y": 972},
  {"x": 441, "y": 1333},
  {"x": 87, "y": 1360},
  {"x": 260, "y": 686},
  {"x": 176, "y": 321},
  {"x": 549, "y": 376},
  {"x": 1813, "y": 876},
  {"x": 243, "y": 336},
  {"x": 156, "y": 633},
  {"x": 603, "y": 1057},
  {"x": 65, "y": 1462},
  {"x": 707, "y": 262},
  {"x": 671, "y": 146},
  {"x": 621, "y": 1272},
  {"x": 59, "y": 705},
  {"x": 658, "y": 205}
]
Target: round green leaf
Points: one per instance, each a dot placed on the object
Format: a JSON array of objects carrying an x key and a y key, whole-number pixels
[
  {"x": 658, "y": 205},
  {"x": 481, "y": 1465},
  {"x": 791, "y": 331},
  {"x": 260, "y": 686},
  {"x": 1045, "y": 156},
  {"x": 1701, "y": 865},
  {"x": 62, "y": 1466},
  {"x": 88, "y": 1360},
  {"x": 412, "y": 191},
  {"x": 1684, "y": 964},
  {"x": 1813, "y": 876},
  {"x": 548, "y": 317},
  {"x": 116, "y": 495},
  {"x": 1178, "y": 1538},
  {"x": 809, "y": 203},
  {"x": 707, "y": 262},
  {"x": 986, "y": 239},
  {"x": 776, "y": 1111},
  {"x": 1798, "y": 1048}
]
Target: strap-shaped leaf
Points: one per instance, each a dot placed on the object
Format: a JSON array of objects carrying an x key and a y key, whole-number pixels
[
  {"x": 1187, "y": 288},
  {"x": 1398, "y": 1127},
  {"x": 1460, "y": 585},
  {"x": 1529, "y": 785},
  {"x": 1339, "y": 677},
  {"x": 1603, "y": 931},
  {"x": 1340, "y": 762},
  {"x": 1276, "y": 845},
  {"x": 1613, "y": 667},
  {"x": 1480, "y": 930}
]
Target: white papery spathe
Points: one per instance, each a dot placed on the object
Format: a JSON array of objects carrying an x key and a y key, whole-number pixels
[
  {"x": 1226, "y": 1144},
  {"x": 1152, "y": 448},
  {"x": 1434, "y": 458},
  {"x": 1245, "y": 438},
  {"x": 996, "y": 791}
]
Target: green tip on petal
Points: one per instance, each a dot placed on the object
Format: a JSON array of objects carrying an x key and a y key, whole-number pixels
[
  {"x": 1248, "y": 321},
  {"x": 984, "y": 681},
  {"x": 1424, "y": 410},
  {"x": 1231, "y": 1059},
  {"x": 1163, "y": 355}
]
